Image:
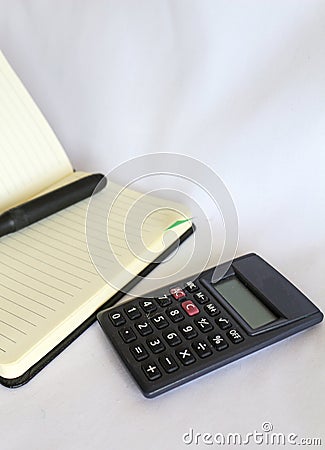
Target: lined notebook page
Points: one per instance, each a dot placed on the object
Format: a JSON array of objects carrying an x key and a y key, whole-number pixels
[
  {"x": 31, "y": 156},
  {"x": 48, "y": 284}
]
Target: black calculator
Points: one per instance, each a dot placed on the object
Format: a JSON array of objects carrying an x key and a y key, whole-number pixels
[{"x": 183, "y": 331}]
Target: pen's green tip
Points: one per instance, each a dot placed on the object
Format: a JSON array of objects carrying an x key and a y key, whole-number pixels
[{"x": 178, "y": 222}]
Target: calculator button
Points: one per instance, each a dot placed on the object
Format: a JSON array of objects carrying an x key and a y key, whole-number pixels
[
  {"x": 177, "y": 293},
  {"x": 218, "y": 342},
  {"x": 164, "y": 300},
  {"x": 139, "y": 352},
  {"x": 148, "y": 306},
  {"x": 211, "y": 309},
  {"x": 116, "y": 318},
  {"x": 152, "y": 371},
  {"x": 201, "y": 298},
  {"x": 175, "y": 314},
  {"x": 172, "y": 338},
  {"x": 156, "y": 345},
  {"x": 191, "y": 287},
  {"x": 203, "y": 324},
  {"x": 223, "y": 323},
  {"x": 190, "y": 308},
  {"x": 168, "y": 363},
  {"x": 202, "y": 349},
  {"x": 132, "y": 312},
  {"x": 188, "y": 331},
  {"x": 235, "y": 336},
  {"x": 159, "y": 321},
  {"x": 185, "y": 356},
  {"x": 144, "y": 328},
  {"x": 128, "y": 335}
]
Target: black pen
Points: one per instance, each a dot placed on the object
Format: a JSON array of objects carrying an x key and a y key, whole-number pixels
[{"x": 23, "y": 215}]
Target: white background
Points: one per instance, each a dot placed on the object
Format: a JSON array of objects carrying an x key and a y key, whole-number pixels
[{"x": 239, "y": 85}]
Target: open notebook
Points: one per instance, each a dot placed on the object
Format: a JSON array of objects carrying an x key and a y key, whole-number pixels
[{"x": 50, "y": 289}]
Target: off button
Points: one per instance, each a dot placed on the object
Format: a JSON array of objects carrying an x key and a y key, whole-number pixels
[{"x": 235, "y": 336}]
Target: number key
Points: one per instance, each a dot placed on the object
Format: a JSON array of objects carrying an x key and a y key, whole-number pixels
[
  {"x": 132, "y": 312},
  {"x": 144, "y": 328},
  {"x": 175, "y": 314},
  {"x": 172, "y": 338},
  {"x": 164, "y": 300},
  {"x": 188, "y": 331},
  {"x": 148, "y": 306},
  {"x": 116, "y": 318},
  {"x": 155, "y": 345},
  {"x": 159, "y": 321}
]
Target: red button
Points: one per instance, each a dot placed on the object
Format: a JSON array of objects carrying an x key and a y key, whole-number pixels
[
  {"x": 177, "y": 293},
  {"x": 190, "y": 308}
]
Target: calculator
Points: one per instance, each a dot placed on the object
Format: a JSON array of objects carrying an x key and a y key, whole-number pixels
[{"x": 180, "y": 332}]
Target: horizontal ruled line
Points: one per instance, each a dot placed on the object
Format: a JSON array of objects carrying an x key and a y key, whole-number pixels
[
  {"x": 8, "y": 338},
  {"x": 33, "y": 288},
  {"x": 23, "y": 307},
  {"x": 18, "y": 317},
  {"x": 29, "y": 298},
  {"x": 14, "y": 328}
]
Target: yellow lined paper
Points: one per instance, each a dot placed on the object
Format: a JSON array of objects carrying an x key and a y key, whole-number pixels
[
  {"x": 31, "y": 155},
  {"x": 48, "y": 284}
]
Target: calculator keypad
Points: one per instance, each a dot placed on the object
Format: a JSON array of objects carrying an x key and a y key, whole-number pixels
[{"x": 171, "y": 336}]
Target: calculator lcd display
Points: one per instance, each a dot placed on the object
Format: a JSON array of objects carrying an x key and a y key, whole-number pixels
[{"x": 248, "y": 306}]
